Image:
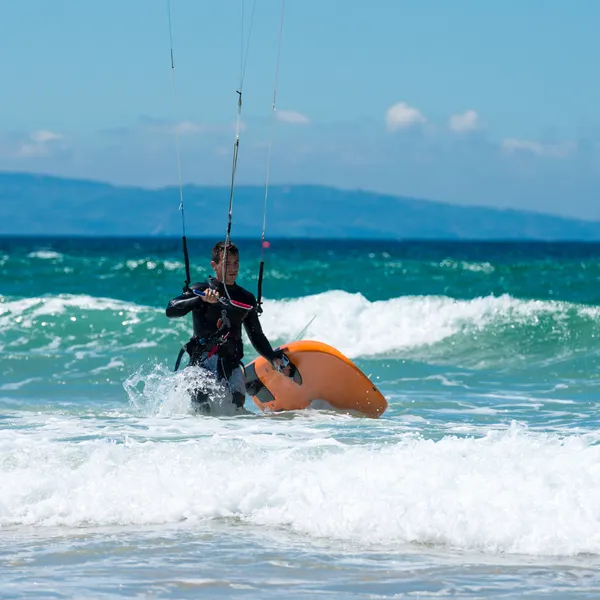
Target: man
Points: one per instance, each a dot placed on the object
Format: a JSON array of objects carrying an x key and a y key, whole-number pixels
[{"x": 219, "y": 307}]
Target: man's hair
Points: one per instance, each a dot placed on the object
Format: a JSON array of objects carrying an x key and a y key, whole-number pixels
[{"x": 219, "y": 249}]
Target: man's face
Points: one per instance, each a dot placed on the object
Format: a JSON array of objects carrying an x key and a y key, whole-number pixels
[{"x": 229, "y": 272}]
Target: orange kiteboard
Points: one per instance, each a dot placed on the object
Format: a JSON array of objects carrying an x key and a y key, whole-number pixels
[{"x": 318, "y": 374}]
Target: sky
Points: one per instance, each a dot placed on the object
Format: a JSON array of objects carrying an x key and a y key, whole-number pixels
[{"x": 490, "y": 103}]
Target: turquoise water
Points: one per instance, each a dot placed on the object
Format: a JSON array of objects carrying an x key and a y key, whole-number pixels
[{"x": 481, "y": 480}]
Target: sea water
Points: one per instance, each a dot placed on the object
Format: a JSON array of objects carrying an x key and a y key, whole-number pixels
[{"x": 481, "y": 480}]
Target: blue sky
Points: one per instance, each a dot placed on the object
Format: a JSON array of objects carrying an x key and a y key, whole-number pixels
[{"x": 489, "y": 103}]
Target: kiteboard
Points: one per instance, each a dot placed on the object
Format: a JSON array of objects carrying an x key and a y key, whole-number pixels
[{"x": 318, "y": 376}]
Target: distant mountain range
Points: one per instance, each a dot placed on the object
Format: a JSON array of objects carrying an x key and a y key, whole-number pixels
[{"x": 44, "y": 205}]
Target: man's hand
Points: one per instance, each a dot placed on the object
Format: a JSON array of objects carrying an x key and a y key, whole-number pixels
[
  {"x": 210, "y": 296},
  {"x": 282, "y": 365}
]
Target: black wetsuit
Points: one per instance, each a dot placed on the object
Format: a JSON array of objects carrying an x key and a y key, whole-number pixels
[{"x": 208, "y": 317}]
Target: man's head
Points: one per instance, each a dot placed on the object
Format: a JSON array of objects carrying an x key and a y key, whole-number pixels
[{"x": 225, "y": 272}]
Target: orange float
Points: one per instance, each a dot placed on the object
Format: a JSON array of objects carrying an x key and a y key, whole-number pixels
[{"x": 320, "y": 377}]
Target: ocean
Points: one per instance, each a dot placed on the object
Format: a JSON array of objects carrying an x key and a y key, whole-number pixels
[{"x": 481, "y": 480}]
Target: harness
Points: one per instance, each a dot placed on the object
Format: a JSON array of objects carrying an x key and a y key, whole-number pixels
[{"x": 209, "y": 345}]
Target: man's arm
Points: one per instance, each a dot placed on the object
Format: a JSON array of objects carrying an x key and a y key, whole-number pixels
[
  {"x": 188, "y": 301},
  {"x": 257, "y": 338}
]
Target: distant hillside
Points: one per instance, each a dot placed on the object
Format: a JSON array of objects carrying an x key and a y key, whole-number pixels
[{"x": 38, "y": 205}]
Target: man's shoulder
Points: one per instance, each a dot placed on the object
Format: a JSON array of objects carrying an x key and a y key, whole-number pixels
[
  {"x": 243, "y": 295},
  {"x": 199, "y": 285}
]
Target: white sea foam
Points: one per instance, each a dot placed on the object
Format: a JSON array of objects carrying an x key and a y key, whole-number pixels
[
  {"x": 477, "y": 267},
  {"x": 349, "y": 322},
  {"x": 17, "y": 385},
  {"x": 172, "y": 265},
  {"x": 357, "y": 326},
  {"x": 26, "y": 311},
  {"x": 46, "y": 255},
  {"x": 112, "y": 364},
  {"x": 154, "y": 390},
  {"x": 511, "y": 491}
]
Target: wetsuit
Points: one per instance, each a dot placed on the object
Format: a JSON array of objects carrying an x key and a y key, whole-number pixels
[{"x": 222, "y": 357}]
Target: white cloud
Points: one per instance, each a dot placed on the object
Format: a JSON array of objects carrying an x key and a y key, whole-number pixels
[
  {"x": 187, "y": 128},
  {"x": 32, "y": 150},
  {"x": 43, "y": 135},
  {"x": 38, "y": 143},
  {"x": 467, "y": 121},
  {"x": 562, "y": 150},
  {"x": 183, "y": 128},
  {"x": 162, "y": 126},
  {"x": 402, "y": 116},
  {"x": 291, "y": 116}
]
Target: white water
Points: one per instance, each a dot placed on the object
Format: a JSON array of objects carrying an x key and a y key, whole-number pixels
[
  {"x": 511, "y": 491},
  {"x": 349, "y": 322}
]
